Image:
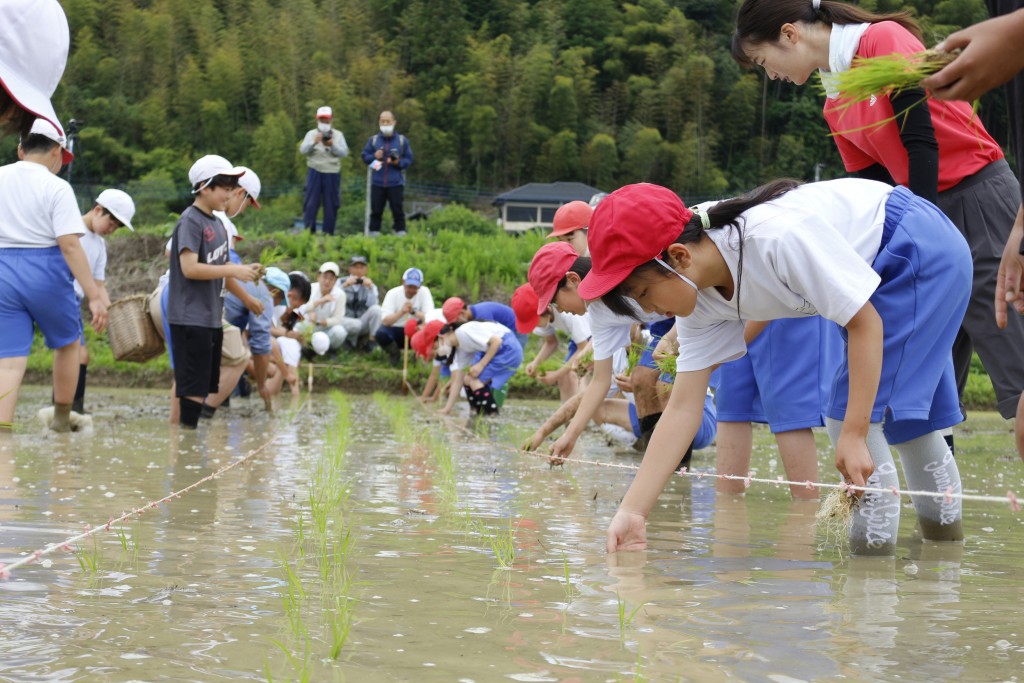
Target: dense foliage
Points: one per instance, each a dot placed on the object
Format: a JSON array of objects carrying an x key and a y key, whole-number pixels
[{"x": 492, "y": 94}]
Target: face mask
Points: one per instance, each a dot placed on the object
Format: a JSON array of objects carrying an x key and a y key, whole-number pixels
[
  {"x": 679, "y": 275},
  {"x": 386, "y": 131},
  {"x": 323, "y": 127},
  {"x": 443, "y": 351}
]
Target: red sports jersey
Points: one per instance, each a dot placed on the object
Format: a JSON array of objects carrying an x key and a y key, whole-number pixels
[{"x": 965, "y": 147}]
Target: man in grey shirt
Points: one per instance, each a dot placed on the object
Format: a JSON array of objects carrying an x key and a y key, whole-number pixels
[
  {"x": 323, "y": 146},
  {"x": 362, "y": 312}
]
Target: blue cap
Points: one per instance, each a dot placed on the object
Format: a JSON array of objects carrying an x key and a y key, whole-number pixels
[
  {"x": 413, "y": 276},
  {"x": 277, "y": 279}
]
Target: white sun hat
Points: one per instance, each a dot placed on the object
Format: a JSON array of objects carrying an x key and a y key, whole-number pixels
[
  {"x": 120, "y": 206},
  {"x": 34, "y": 41}
]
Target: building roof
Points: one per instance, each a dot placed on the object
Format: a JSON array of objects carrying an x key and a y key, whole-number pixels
[{"x": 547, "y": 193}]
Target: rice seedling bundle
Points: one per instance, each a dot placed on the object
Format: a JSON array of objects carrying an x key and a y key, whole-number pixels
[
  {"x": 885, "y": 75},
  {"x": 834, "y": 517}
]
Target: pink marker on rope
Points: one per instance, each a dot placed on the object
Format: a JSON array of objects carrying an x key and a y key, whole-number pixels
[
  {"x": 4, "y": 574},
  {"x": 895, "y": 491},
  {"x": 1014, "y": 505},
  {"x": 948, "y": 498},
  {"x": 747, "y": 480}
]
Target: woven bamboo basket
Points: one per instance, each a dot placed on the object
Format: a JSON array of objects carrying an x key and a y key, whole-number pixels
[{"x": 131, "y": 332}]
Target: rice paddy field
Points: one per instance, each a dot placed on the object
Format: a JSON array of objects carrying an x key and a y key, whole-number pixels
[{"x": 363, "y": 539}]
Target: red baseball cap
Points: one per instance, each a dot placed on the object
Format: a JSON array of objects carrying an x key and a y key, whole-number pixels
[
  {"x": 416, "y": 344},
  {"x": 411, "y": 325},
  {"x": 452, "y": 307},
  {"x": 549, "y": 266},
  {"x": 630, "y": 227},
  {"x": 430, "y": 332},
  {"x": 524, "y": 305},
  {"x": 570, "y": 217}
]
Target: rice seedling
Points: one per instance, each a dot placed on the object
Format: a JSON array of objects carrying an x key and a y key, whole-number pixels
[
  {"x": 502, "y": 543},
  {"x": 89, "y": 556},
  {"x": 633, "y": 355},
  {"x": 129, "y": 544},
  {"x": 567, "y": 586},
  {"x": 585, "y": 363},
  {"x": 303, "y": 671},
  {"x": 340, "y": 624},
  {"x": 834, "y": 517},
  {"x": 884, "y": 75},
  {"x": 626, "y": 618}
]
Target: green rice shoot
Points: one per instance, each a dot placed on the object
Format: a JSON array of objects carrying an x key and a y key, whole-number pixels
[{"x": 885, "y": 75}]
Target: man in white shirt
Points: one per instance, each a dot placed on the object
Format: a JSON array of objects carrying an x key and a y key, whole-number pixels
[{"x": 411, "y": 298}]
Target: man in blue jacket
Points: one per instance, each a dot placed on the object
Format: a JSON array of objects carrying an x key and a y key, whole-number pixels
[{"x": 387, "y": 154}]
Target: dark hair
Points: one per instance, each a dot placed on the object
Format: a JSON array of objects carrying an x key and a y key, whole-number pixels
[
  {"x": 760, "y": 21},
  {"x": 36, "y": 143},
  {"x": 304, "y": 289},
  {"x": 104, "y": 211},
  {"x": 219, "y": 180},
  {"x": 723, "y": 214},
  {"x": 14, "y": 119},
  {"x": 581, "y": 266}
]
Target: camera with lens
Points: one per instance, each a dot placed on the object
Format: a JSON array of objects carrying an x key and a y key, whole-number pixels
[
  {"x": 393, "y": 155},
  {"x": 326, "y": 137},
  {"x": 359, "y": 280}
]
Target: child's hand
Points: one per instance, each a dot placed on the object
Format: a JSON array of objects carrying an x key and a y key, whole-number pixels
[
  {"x": 531, "y": 369},
  {"x": 627, "y": 531},
  {"x": 624, "y": 383},
  {"x": 444, "y": 411},
  {"x": 561, "y": 449},
  {"x": 476, "y": 369},
  {"x": 248, "y": 273},
  {"x": 99, "y": 314},
  {"x": 853, "y": 460},
  {"x": 254, "y": 305}
]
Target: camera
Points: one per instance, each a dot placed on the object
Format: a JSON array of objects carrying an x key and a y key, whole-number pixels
[
  {"x": 327, "y": 137},
  {"x": 393, "y": 155},
  {"x": 359, "y": 280}
]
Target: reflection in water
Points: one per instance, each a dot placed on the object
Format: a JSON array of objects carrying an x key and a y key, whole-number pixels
[{"x": 730, "y": 587}]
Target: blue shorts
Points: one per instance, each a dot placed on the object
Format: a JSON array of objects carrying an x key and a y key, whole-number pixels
[
  {"x": 926, "y": 270},
  {"x": 167, "y": 326},
  {"x": 505, "y": 362},
  {"x": 772, "y": 384},
  {"x": 708, "y": 424},
  {"x": 570, "y": 352},
  {"x": 36, "y": 287}
]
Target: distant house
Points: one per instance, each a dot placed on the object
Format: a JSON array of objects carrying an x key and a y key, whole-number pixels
[{"x": 533, "y": 205}]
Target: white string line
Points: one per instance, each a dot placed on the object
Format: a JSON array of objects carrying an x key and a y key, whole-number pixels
[
  {"x": 948, "y": 495},
  {"x": 65, "y": 545}
]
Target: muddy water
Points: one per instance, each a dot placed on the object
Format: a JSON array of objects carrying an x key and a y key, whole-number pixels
[{"x": 730, "y": 587}]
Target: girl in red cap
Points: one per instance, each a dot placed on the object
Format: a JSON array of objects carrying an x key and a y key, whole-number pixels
[
  {"x": 940, "y": 150},
  {"x": 884, "y": 264}
]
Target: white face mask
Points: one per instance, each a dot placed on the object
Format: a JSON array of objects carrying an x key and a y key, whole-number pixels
[
  {"x": 323, "y": 127},
  {"x": 386, "y": 131},
  {"x": 444, "y": 350},
  {"x": 679, "y": 275}
]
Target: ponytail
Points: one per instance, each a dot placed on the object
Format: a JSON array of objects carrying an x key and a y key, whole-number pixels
[
  {"x": 724, "y": 214},
  {"x": 761, "y": 21}
]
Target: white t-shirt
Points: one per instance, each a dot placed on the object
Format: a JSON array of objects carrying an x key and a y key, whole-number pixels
[
  {"x": 806, "y": 253},
  {"x": 610, "y": 332},
  {"x": 576, "y": 326},
  {"x": 36, "y": 207},
  {"x": 473, "y": 338},
  {"x": 95, "y": 248},
  {"x": 395, "y": 299},
  {"x": 331, "y": 309}
]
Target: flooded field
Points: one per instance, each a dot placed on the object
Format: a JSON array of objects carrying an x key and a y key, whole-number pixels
[{"x": 362, "y": 542}]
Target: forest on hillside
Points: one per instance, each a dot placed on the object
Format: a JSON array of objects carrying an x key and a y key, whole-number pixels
[{"x": 491, "y": 93}]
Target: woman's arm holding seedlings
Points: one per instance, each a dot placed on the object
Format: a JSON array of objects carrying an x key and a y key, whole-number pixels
[{"x": 853, "y": 460}]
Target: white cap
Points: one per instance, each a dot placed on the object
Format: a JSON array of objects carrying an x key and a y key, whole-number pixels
[
  {"x": 250, "y": 182},
  {"x": 331, "y": 267},
  {"x": 325, "y": 112},
  {"x": 54, "y": 132},
  {"x": 34, "y": 42},
  {"x": 320, "y": 342},
  {"x": 209, "y": 166},
  {"x": 120, "y": 206}
]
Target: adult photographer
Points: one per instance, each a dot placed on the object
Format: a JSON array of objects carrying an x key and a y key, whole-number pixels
[
  {"x": 362, "y": 312},
  {"x": 387, "y": 154},
  {"x": 324, "y": 146}
]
